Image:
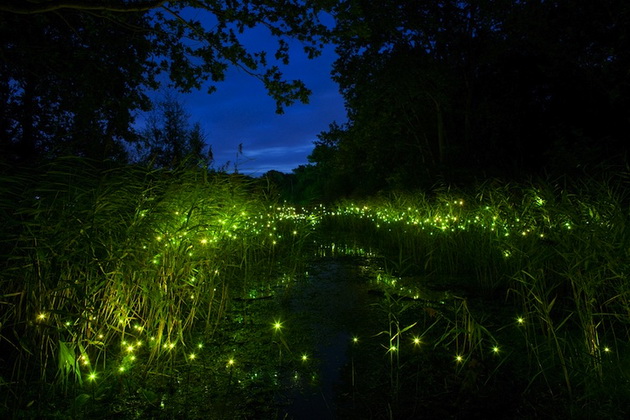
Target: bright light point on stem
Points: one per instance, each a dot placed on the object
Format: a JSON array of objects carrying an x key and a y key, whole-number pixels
[
  {"x": 520, "y": 320},
  {"x": 42, "y": 316},
  {"x": 392, "y": 348},
  {"x": 459, "y": 358},
  {"x": 304, "y": 357},
  {"x": 200, "y": 345},
  {"x": 355, "y": 339},
  {"x": 192, "y": 356},
  {"x": 92, "y": 376},
  {"x": 495, "y": 349},
  {"x": 277, "y": 325},
  {"x": 129, "y": 349},
  {"x": 121, "y": 369},
  {"x": 230, "y": 362},
  {"x": 606, "y": 349},
  {"x": 416, "y": 341},
  {"x": 204, "y": 241}
]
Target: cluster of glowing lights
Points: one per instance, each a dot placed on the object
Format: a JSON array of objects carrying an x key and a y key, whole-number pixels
[
  {"x": 455, "y": 215},
  {"x": 288, "y": 223}
]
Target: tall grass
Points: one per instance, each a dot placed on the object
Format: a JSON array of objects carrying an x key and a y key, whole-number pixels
[
  {"x": 122, "y": 269},
  {"x": 107, "y": 269},
  {"x": 557, "y": 252}
]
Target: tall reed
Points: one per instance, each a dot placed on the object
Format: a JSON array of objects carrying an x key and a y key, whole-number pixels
[{"x": 105, "y": 269}]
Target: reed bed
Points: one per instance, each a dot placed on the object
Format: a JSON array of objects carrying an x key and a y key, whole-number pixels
[
  {"x": 120, "y": 271},
  {"x": 554, "y": 255}
]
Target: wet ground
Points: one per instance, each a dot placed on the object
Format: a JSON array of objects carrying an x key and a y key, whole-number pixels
[
  {"x": 331, "y": 306},
  {"x": 383, "y": 374},
  {"x": 343, "y": 348}
]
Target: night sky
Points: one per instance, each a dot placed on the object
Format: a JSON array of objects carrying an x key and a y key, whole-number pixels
[{"x": 240, "y": 111}]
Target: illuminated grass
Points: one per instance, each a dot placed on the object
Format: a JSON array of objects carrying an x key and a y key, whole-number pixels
[{"x": 122, "y": 270}]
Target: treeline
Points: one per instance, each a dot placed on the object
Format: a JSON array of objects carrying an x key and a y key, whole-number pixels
[
  {"x": 436, "y": 91},
  {"x": 456, "y": 90},
  {"x": 74, "y": 76}
]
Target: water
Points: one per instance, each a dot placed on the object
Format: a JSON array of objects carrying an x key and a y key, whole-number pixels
[{"x": 330, "y": 305}]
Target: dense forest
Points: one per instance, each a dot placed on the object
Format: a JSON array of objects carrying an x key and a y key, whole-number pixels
[
  {"x": 458, "y": 248},
  {"x": 435, "y": 91},
  {"x": 453, "y": 91}
]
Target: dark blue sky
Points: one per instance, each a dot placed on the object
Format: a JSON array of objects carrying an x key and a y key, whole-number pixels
[{"x": 240, "y": 111}]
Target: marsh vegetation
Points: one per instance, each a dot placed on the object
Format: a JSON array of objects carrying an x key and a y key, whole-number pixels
[{"x": 143, "y": 293}]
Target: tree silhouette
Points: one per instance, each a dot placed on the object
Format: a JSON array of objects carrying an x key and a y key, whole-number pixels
[
  {"x": 460, "y": 89},
  {"x": 77, "y": 70},
  {"x": 169, "y": 141}
]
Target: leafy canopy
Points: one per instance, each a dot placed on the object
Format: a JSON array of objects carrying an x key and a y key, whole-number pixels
[
  {"x": 73, "y": 70},
  {"x": 197, "y": 40}
]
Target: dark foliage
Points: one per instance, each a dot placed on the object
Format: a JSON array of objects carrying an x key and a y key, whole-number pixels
[
  {"x": 454, "y": 90},
  {"x": 72, "y": 73}
]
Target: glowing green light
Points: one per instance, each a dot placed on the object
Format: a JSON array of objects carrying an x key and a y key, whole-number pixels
[
  {"x": 192, "y": 356},
  {"x": 355, "y": 339},
  {"x": 92, "y": 376},
  {"x": 416, "y": 341},
  {"x": 304, "y": 357},
  {"x": 520, "y": 320},
  {"x": 495, "y": 349},
  {"x": 277, "y": 325},
  {"x": 459, "y": 358}
]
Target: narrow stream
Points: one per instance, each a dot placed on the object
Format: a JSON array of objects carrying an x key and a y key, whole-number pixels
[{"x": 330, "y": 305}]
